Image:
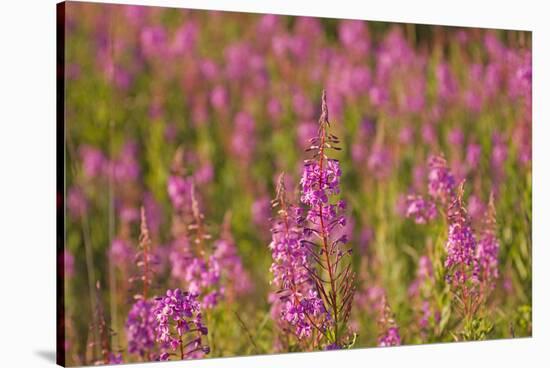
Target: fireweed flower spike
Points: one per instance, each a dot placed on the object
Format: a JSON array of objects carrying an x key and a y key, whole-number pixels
[
  {"x": 144, "y": 258},
  {"x": 121, "y": 253},
  {"x": 422, "y": 210},
  {"x": 203, "y": 271},
  {"x": 424, "y": 272},
  {"x": 191, "y": 260},
  {"x": 140, "y": 323},
  {"x": 390, "y": 337},
  {"x": 179, "y": 324},
  {"x": 461, "y": 262},
  {"x": 197, "y": 226},
  {"x": 441, "y": 186},
  {"x": 140, "y": 329},
  {"x": 104, "y": 334},
  {"x": 301, "y": 310},
  {"x": 488, "y": 247},
  {"x": 179, "y": 192},
  {"x": 235, "y": 277},
  {"x": 421, "y": 295},
  {"x": 461, "y": 243},
  {"x": 179, "y": 187},
  {"x": 334, "y": 279},
  {"x": 390, "y": 332},
  {"x": 441, "y": 182}
]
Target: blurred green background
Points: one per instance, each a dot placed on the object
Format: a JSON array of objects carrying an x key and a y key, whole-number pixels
[{"x": 141, "y": 82}]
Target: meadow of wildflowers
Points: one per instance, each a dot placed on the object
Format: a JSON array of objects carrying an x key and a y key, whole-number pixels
[{"x": 241, "y": 184}]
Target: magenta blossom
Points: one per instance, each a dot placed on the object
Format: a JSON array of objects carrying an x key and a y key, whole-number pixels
[
  {"x": 140, "y": 328},
  {"x": 422, "y": 210},
  {"x": 461, "y": 261},
  {"x": 300, "y": 306},
  {"x": 441, "y": 182},
  {"x": 179, "y": 324},
  {"x": 488, "y": 248},
  {"x": 390, "y": 338},
  {"x": 121, "y": 253}
]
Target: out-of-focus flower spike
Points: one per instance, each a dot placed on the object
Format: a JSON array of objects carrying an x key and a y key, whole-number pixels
[
  {"x": 488, "y": 247},
  {"x": 389, "y": 330}
]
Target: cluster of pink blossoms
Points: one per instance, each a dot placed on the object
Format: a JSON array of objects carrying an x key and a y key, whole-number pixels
[
  {"x": 179, "y": 324},
  {"x": 298, "y": 303}
]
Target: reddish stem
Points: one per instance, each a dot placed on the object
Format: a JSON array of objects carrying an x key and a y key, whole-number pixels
[{"x": 323, "y": 231}]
